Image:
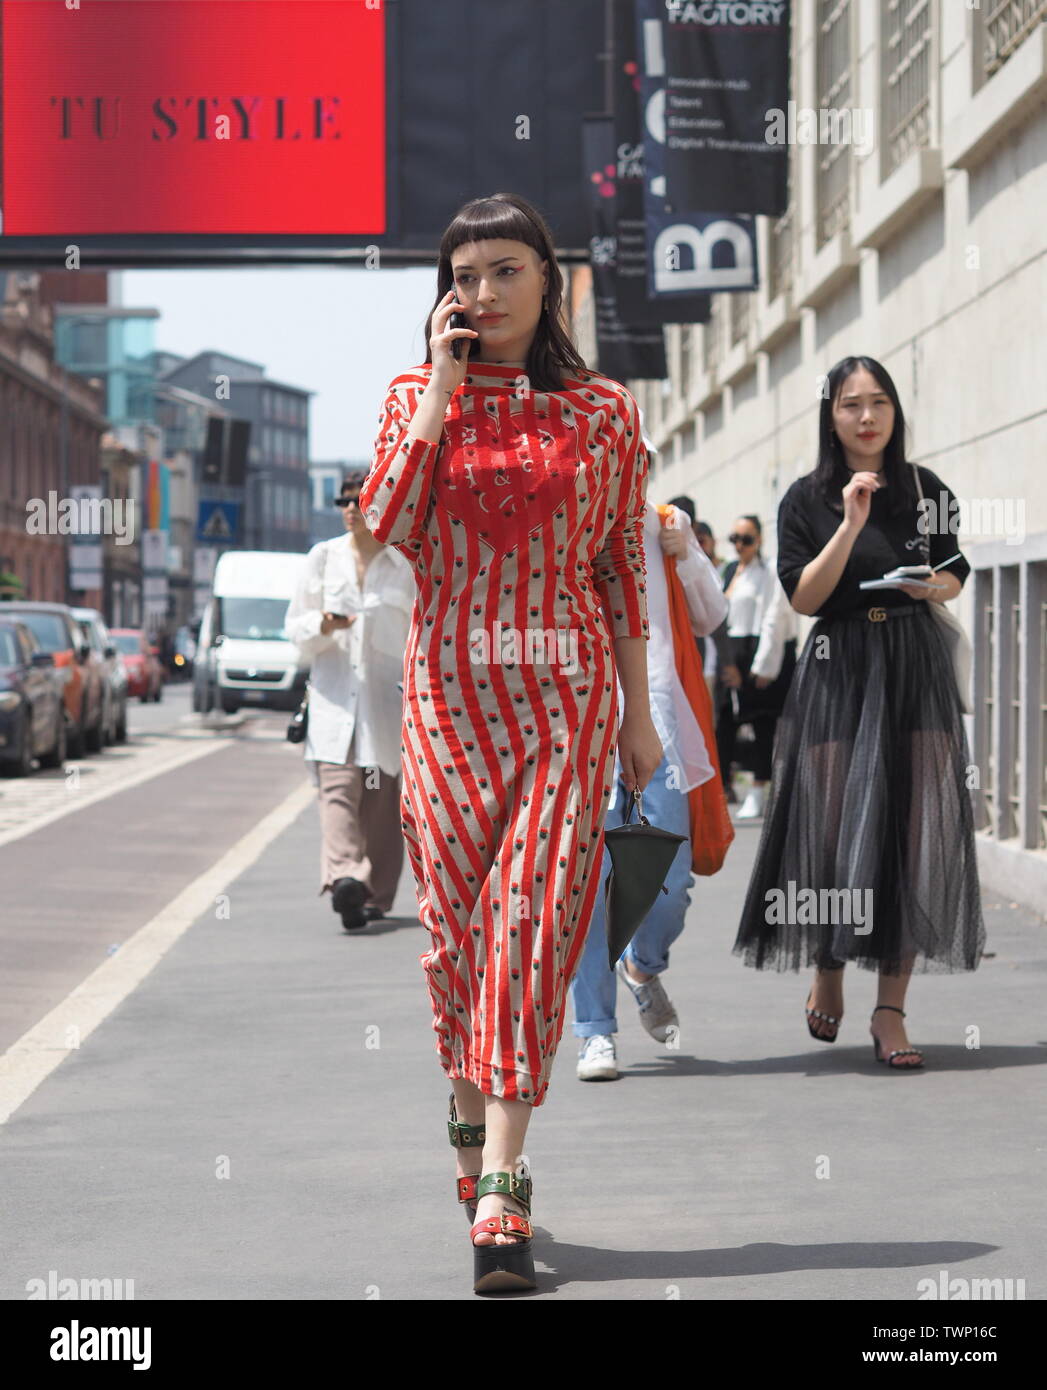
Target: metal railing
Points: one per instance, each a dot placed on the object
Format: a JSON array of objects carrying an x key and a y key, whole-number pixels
[
  {"x": 906, "y": 35},
  {"x": 1006, "y": 24}
]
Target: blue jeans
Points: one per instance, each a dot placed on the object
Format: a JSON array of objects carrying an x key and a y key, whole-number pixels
[{"x": 594, "y": 988}]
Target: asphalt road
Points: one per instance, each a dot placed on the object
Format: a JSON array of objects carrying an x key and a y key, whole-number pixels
[{"x": 255, "y": 1109}]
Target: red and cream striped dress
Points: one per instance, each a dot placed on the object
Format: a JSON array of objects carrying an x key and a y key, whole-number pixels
[{"x": 524, "y": 528}]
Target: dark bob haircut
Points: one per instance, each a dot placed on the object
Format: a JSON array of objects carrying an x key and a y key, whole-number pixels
[
  {"x": 507, "y": 216},
  {"x": 831, "y": 474}
]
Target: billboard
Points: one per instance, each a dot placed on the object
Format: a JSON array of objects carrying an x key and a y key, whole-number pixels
[{"x": 167, "y": 132}]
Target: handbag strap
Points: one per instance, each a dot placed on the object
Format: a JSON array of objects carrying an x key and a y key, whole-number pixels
[{"x": 926, "y": 537}]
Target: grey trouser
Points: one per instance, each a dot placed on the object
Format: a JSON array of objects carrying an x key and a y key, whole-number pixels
[{"x": 360, "y": 827}]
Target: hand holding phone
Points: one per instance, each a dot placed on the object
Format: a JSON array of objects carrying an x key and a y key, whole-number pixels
[
  {"x": 334, "y": 622},
  {"x": 449, "y": 332}
]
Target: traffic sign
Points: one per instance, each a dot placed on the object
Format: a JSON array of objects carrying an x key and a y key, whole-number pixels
[{"x": 218, "y": 522}]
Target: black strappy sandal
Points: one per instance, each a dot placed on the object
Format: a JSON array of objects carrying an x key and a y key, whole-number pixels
[
  {"x": 465, "y": 1136},
  {"x": 898, "y": 1051},
  {"x": 817, "y": 1013},
  {"x": 504, "y": 1268}
]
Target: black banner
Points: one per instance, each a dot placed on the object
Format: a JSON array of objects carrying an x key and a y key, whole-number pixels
[
  {"x": 477, "y": 99},
  {"x": 727, "y": 70},
  {"x": 687, "y": 252},
  {"x": 625, "y": 351},
  {"x": 633, "y": 250}
]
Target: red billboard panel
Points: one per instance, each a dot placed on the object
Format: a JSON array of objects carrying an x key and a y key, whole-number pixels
[{"x": 193, "y": 116}]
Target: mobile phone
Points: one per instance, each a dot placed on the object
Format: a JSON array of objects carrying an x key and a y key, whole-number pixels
[{"x": 458, "y": 321}]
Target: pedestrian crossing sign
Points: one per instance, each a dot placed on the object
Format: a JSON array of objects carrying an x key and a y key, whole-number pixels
[{"x": 218, "y": 522}]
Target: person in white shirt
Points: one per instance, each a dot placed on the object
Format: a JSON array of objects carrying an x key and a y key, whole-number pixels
[
  {"x": 350, "y": 618},
  {"x": 685, "y": 765},
  {"x": 757, "y": 661}
]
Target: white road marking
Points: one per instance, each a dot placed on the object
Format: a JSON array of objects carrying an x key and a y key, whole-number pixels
[
  {"x": 27, "y": 1062},
  {"x": 54, "y": 797}
]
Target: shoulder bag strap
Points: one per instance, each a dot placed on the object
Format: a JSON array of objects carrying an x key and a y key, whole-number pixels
[{"x": 920, "y": 518}]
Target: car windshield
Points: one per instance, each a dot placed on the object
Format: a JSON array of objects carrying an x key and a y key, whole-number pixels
[
  {"x": 257, "y": 618},
  {"x": 49, "y": 629},
  {"x": 127, "y": 643},
  {"x": 8, "y": 649}
]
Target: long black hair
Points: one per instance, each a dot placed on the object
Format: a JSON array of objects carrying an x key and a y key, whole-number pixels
[
  {"x": 831, "y": 474},
  {"x": 508, "y": 216}
]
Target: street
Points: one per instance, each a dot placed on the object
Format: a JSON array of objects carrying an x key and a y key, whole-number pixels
[{"x": 216, "y": 1093}]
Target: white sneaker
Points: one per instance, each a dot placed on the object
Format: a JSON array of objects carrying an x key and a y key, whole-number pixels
[
  {"x": 656, "y": 1010},
  {"x": 598, "y": 1060},
  {"x": 752, "y": 807}
]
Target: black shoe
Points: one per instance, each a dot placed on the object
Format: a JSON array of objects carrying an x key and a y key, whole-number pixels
[
  {"x": 372, "y": 913},
  {"x": 347, "y": 898}
]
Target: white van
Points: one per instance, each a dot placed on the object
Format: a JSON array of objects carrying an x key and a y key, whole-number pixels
[{"x": 243, "y": 657}]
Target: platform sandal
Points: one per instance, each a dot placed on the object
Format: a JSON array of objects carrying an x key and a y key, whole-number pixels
[
  {"x": 817, "y": 1013},
  {"x": 465, "y": 1136},
  {"x": 898, "y": 1051},
  {"x": 505, "y": 1268}
]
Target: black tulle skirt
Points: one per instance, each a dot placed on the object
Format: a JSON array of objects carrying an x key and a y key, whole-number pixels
[{"x": 867, "y": 852}]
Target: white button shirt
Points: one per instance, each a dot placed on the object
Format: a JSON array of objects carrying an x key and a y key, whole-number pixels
[
  {"x": 674, "y": 720},
  {"x": 356, "y": 671}
]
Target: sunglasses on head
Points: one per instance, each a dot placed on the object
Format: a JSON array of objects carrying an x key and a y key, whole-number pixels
[
  {"x": 346, "y": 498},
  {"x": 742, "y": 540}
]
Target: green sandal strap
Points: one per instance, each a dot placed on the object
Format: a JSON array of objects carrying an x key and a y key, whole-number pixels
[
  {"x": 506, "y": 1185},
  {"x": 463, "y": 1136}
]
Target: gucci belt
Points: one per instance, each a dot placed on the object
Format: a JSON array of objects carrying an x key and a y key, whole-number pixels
[{"x": 880, "y": 615}]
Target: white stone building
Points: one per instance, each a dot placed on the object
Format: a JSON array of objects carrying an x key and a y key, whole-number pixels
[{"x": 927, "y": 249}]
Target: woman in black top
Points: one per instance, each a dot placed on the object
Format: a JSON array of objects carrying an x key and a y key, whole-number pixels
[{"x": 869, "y": 787}]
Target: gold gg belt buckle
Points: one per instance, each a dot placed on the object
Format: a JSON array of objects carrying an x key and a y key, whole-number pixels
[{"x": 877, "y": 615}]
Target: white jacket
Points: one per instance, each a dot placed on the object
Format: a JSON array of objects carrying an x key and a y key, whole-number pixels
[
  {"x": 774, "y": 619},
  {"x": 674, "y": 720},
  {"x": 778, "y": 625},
  {"x": 356, "y": 671}
]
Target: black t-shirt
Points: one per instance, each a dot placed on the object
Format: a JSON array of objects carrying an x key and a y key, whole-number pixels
[{"x": 806, "y": 523}]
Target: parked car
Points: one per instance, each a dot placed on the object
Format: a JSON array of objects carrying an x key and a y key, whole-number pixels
[
  {"x": 83, "y": 683},
  {"x": 103, "y": 650},
  {"x": 145, "y": 675},
  {"x": 32, "y": 714}
]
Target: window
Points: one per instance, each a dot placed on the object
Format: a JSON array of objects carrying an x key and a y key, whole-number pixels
[
  {"x": 905, "y": 39},
  {"x": 834, "y": 93},
  {"x": 781, "y": 272},
  {"x": 711, "y": 334},
  {"x": 1005, "y": 25},
  {"x": 741, "y": 302}
]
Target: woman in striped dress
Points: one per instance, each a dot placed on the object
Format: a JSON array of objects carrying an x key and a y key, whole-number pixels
[{"x": 514, "y": 481}]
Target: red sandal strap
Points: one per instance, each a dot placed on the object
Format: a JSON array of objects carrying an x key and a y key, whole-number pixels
[
  {"x": 508, "y": 1224},
  {"x": 467, "y": 1187}
]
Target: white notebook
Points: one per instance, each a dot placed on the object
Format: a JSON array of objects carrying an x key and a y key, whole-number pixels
[{"x": 904, "y": 574}]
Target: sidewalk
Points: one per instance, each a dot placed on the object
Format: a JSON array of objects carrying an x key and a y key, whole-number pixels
[{"x": 300, "y": 1061}]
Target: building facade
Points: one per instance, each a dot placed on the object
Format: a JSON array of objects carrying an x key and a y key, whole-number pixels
[
  {"x": 51, "y": 424},
  {"x": 926, "y": 248},
  {"x": 278, "y": 507}
]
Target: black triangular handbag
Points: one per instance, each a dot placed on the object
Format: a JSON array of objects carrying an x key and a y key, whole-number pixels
[{"x": 641, "y": 856}]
